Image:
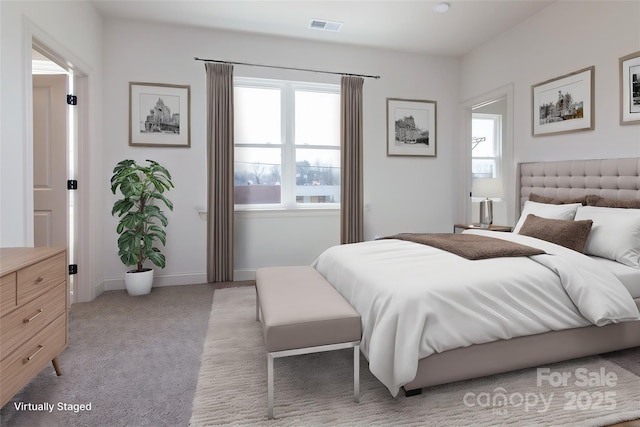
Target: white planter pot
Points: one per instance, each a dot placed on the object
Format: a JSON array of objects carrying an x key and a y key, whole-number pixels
[{"x": 138, "y": 283}]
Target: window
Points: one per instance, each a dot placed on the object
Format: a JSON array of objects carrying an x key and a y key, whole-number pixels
[
  {"x": 486, "y": 143},
  {"x": 287, "y": 144}
]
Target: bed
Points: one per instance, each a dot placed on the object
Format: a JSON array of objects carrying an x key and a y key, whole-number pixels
[{"x": 478, "y": 318}]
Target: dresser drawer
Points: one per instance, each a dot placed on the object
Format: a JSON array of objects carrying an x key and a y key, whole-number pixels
[
  {"x": 38, "y": 278},
  {"x": 30, "y": 318},
  {"x": 23, "y": 364},
  {"x": 8, "y": 299}
]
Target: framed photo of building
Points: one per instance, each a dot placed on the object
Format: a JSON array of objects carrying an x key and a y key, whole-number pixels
[
  {"x": 564, "y": 104},
  {"x": 630, "y": 89},
  {"x": 159, "y": 115},
  {"x": 411, "y": 127}
]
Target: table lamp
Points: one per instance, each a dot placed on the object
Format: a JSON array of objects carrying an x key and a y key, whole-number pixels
[{"x": 487, "y": 188}]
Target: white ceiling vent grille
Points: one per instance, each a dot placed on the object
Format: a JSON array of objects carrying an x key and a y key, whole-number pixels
[{"x": 321, "y": 24}]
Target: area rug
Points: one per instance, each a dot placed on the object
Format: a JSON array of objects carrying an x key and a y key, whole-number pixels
[{"x": 316, "y": 390}]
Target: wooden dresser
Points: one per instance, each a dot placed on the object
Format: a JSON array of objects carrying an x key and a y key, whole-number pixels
[{"x": 33, "y": 314}]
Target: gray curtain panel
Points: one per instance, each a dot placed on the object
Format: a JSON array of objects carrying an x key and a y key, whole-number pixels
[
  {"x": 351, "y": 197},
  {"x": 220, "y": 172}
]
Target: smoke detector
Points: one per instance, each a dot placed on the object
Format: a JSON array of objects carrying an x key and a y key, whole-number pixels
[
  {"x": 323, "y": 24},
  {"x": 441, "y": 7}
]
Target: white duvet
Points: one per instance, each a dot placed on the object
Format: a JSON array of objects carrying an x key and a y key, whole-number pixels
[{"x": 416, "y": 300}]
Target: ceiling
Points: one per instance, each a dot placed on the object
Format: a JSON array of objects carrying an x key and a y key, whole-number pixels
[{"x": 409, "y": 26}]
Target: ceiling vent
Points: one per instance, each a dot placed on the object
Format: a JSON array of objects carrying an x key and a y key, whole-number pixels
[{"x": 321, "y": 24}]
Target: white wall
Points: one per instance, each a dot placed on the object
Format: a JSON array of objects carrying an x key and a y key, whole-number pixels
[
  {"x": 17, "y": 19},
  {"x": 401, "y": 194},
  {"x": 74, "y": 31},
  {"x": 562, "y": 38}
]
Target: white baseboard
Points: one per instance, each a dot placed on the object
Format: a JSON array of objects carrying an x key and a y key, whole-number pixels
[
  {"x": 98, "y": 289},
  {"x": 244, "y": 274},
  {"x": 116, "y": 284}
]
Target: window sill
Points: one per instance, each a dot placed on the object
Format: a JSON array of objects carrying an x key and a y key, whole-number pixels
[{"x": 287, "y": 213}]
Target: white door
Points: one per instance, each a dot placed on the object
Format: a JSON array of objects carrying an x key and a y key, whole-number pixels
[{"x": 50, "y": 160}]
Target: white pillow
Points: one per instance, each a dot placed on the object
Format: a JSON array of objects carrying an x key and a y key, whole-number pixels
[
  {"x": 615, "y": 234},
  {"x": 545, "y": 210}
]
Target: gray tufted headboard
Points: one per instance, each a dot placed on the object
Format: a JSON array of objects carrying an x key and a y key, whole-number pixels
[{"x": 610, "y": 178}]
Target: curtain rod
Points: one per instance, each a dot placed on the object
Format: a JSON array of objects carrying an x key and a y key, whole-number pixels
[{"x": 284, "y": 68}]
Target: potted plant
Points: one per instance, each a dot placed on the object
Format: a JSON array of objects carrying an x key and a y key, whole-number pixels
[{"x": 142, "y": 223}]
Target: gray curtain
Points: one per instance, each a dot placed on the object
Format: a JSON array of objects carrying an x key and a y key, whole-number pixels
[
  {"x": 351, "y": 197},
  {"x": 220, "y": 172}
]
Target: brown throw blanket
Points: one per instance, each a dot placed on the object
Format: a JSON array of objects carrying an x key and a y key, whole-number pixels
[{"x": 470, "y": 246}]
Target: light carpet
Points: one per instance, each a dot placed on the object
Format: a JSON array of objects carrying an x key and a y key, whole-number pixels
[{"x": 317, "y": 389}]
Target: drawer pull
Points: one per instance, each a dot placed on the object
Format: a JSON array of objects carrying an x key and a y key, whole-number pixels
[
  {"x": 33, "y": 317},
  {"x": 39, "y": 279},
  {"x": 40, "y": 348}
]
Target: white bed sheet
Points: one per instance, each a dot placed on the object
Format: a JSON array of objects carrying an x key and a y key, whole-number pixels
[
  {"x": 629, "y": 276},
  {"x": 416, "y": 300}
]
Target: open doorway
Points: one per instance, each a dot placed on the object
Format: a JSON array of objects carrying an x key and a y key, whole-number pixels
[
  {"x": 487, "y": 179},
  {"x": 486, "y": 156},
  {"x": 50, "y": 152},
  {"x": 54, "y": 135}
]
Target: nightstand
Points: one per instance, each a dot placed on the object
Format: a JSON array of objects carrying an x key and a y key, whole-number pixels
[{"x": 504, "y": 228}]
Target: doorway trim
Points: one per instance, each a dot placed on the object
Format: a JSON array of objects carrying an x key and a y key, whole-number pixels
[
  {"x": 79, "y": 223},
  {"x": 464, "y": 154}
]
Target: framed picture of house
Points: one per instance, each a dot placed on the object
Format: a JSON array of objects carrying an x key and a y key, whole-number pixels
[
  {"x": 159, "y": 115},
  {"x": 411, "y": 127},
  {"x": 630, "y": 89},
  {"x": 564, "y": 104}
]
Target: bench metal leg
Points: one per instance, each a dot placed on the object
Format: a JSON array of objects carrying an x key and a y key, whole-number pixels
[
  {"x": 308, "y": 350},
  {"x": 356, "y": 374},
  {"x": 257, "y": 305},
  {"x": 270, "y": 386}
]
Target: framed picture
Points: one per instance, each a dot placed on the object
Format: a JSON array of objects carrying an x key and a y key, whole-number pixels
[
  {"x": 630, "y": 89},
  {"x": 159, "y": 115},
  {"x": 564, "y": 104},
  {"x": 411, "y": 127}
]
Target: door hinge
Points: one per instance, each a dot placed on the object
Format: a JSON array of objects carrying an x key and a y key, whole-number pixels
[
  {"x": 72, "y": 184},
  {"x": 73, "y": 268},
  {"x": 72, "y": 100}
]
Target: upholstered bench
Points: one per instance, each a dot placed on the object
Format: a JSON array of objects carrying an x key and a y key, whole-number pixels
[{"x": 302, "y": 313}]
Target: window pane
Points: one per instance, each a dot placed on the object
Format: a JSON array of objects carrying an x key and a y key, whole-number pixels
[
  {"x": 257, "y": 115},
  {"x": 317, "y": 176},
  {"x": 483, "y": 168},
  {"x": 317, "y": 118},
  {"x": 257, "y": 175},
  {"x": 483, "y": 128}
]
